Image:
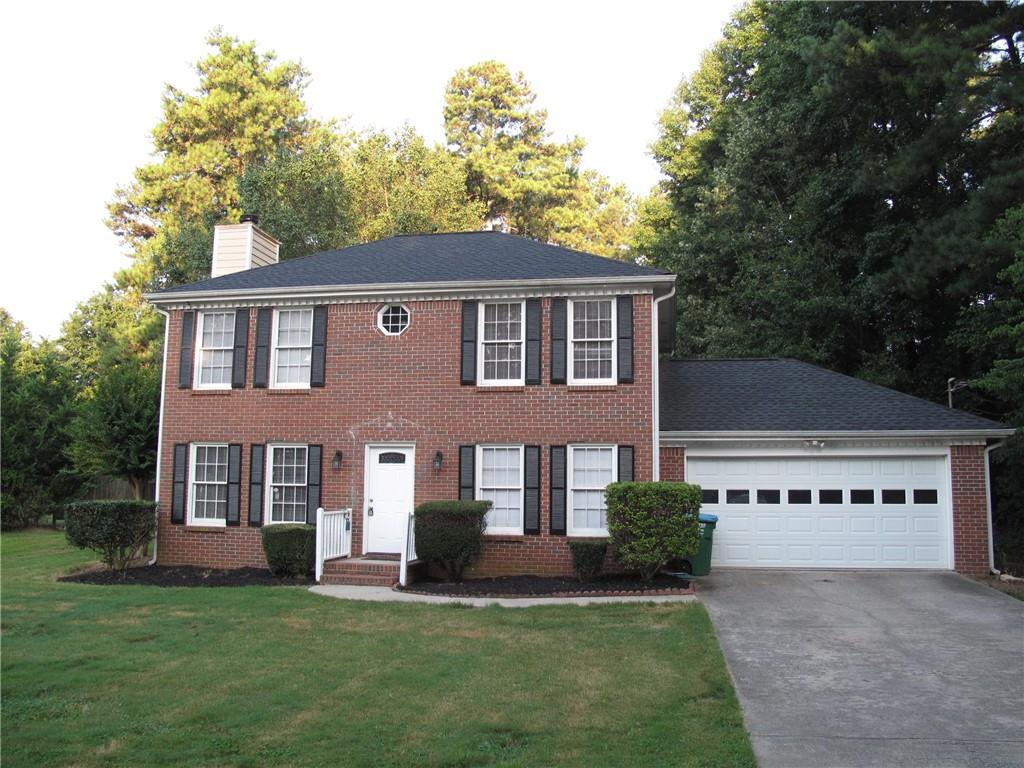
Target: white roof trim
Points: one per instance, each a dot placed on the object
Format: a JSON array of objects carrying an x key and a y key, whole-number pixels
[{"x": 412, "y": 291}]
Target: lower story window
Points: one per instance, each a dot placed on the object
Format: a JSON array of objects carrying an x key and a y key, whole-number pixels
[
  {"x": 591, "y": 469},
  {"x": 209, "y": 485},
  {"x": 287, "y": 487},
  {"x": 500, "y": 482}
]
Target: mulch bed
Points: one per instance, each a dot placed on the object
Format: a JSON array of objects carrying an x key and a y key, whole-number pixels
[
  {"x": 185, "y": 576},
  {"x": 546, "y": 586}
]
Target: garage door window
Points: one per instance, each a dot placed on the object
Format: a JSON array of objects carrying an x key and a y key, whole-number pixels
[
  {"x": 768, "y": 497},
  {"x": 894, "y": 496},
  {"x": 830, "y": 497},
  {"x": 709, "y": 496},
  {"x": 799, "y": 497},
  {"x": 926, "y": 496},
  {"x": 737, "y": 497},
  {"x": 862, "y": 496}
]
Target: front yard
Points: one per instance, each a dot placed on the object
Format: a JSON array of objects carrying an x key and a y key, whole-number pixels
[{"x": 252, "y": 676}]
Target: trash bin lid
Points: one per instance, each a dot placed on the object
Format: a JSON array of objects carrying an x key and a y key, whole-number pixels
[{"x": 706, "y": 517}]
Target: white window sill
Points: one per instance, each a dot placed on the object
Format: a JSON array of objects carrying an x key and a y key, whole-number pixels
[
  {"x": 592, "y": 382},
  {"x": 596, "y": 533},
  {"x": 289, "y": 386},
  {"x": 284, "y": 522},
  {"x": 502, "y": 383},
  {"x": 504, "y": 532},
  {"x": 214, "y": 524}
]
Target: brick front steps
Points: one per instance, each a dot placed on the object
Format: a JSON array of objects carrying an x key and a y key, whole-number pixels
[{"x": 361, "y": 571}]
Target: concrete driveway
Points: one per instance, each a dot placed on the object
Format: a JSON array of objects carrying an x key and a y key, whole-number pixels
[{"x": 862, "y": 668}]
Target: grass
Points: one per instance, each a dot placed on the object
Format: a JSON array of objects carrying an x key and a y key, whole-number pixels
[
  {"x": 1012, "y": 588},
  {"x": 259, "y": 676}
]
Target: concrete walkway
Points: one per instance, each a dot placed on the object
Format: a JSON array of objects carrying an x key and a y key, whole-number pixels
[
  {"x": 387, "y": 595},
  {"x": 858, "y": 669}
]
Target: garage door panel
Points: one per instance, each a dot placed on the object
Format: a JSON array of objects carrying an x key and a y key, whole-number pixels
[{"x": 904, "y": 525}]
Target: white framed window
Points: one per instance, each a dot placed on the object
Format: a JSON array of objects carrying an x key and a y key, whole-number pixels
[
  {"x": 501, "y": 357},
  {"x": 208, "y": 493},
  {"x": 499, "y": 480},
  {"x": 286, "y": 489},
  {"x": 590, "y": 469},
  {"x": 393, "y": 319},
  {"x": 215, "y": 349},
  {"x": 592, "y": 341},
  {"x": 293, "y": 348}
]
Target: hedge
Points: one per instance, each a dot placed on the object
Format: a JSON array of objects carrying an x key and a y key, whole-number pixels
[
  {"x": 450, "y": 534},
  {"x": 290, "y": 549},
  {"x": 652, "y": 523},
  {"x": 115, "y": 530},
  {"x": 587, "y": 558}
]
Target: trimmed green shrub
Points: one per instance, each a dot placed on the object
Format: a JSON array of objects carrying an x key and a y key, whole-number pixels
[
  {"x": 290, "y": 549},
  {"x": 115, "y": 530},
  {"x": 587, "y": 558},
  {"x": 450, "y": 534},
  {"x": 652, "y": 523}
]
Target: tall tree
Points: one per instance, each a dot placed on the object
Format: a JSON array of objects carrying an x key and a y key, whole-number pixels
[{"x": 248, "y": 107}]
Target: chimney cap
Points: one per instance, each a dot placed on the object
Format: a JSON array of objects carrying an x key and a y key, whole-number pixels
[{"x": 249, "y": 217}]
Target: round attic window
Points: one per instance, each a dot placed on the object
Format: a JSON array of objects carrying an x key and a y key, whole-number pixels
[{"x": 393, "y": 319}]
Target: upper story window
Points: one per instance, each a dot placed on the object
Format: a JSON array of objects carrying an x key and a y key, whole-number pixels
[
  {"x": 592, "y": 341},
  {"x": 215, "y": 350},
  {"x": 287, "y": 487},
  {"x": 500, "y": 481},
  {"x": 209, "y": 492},
  {"x": 393, "y": 319},
  {"x": 502, "y": 349},
  {"x": 293, "y": 347}
]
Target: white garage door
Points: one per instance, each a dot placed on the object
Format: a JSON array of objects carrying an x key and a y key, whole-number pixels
[{"x": 887, "y": 512}]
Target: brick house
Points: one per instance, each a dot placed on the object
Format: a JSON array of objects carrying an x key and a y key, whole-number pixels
[{"x": 482, "y": 365}]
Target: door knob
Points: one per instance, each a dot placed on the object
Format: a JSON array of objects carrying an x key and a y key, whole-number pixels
[{"x": 369, "y": 512}]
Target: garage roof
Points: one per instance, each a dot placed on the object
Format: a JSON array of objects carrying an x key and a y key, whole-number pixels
[{"x": 777, "y": 395}]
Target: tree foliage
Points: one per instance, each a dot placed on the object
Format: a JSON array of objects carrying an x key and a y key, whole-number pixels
[{"x": 37, "y": 393}]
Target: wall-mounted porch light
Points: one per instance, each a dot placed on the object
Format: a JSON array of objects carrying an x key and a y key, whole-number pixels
[
  {"x": 438, "y": 458},
  {"x": 336, "y": 461}
]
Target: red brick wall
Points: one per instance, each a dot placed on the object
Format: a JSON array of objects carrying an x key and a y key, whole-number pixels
[
  {"x": 672, "y": 464},
  {"x": 970, "y": 509},
  {"x": 400, "y": 389}
]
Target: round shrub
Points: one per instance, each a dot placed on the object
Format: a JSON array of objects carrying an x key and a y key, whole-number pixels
[
  {"x": 450, "y": 534},
  {"x": 290, "y": 549},
  {"x": 652, "y": 523},
  {"x": 587, "y": 558},
  {"x": 115, "y": 530}
]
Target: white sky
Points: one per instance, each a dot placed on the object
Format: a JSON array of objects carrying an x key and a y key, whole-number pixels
[{"x": 83, "y": 85}]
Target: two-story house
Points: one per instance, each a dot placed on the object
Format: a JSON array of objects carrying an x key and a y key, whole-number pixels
[{"x": 482, "y": 365}]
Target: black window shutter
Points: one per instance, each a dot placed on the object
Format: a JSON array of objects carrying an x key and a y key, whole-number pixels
[
  {"x": 179, "y": 485},
  {"x": 558, "y": 341},
  {"x": 467, "y": 471},
  {"x": 188, "y": 349},
  {"x": 238, "y": 361},
  {"x": 558, "y": 490},
  {"x": 469, "y": 311},
  {"x": 531, "y": 490},
  {"x": 625, "y": 464},
  {"x": 261, "y": 361},
  {"x": 313, "y": 471},
  {"x": 256, "y": 465},
  {"x": 234, "y": 484},
  {"x": 318, "y": 365},
  {"x": 533, "y": 337},
  {"x": 624, "y": 322}
]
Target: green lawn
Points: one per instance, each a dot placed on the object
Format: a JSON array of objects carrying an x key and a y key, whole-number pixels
[{"x": 261, "y": 676}]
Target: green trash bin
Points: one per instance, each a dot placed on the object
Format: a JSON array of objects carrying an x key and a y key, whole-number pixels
[{"x": 699, "y": 563}]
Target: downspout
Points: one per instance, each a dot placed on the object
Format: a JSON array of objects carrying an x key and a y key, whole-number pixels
[
  {"x": 655, "y": 384},
  {"x": 160, "y": 433},
  {"x": 988, "y": 505}
]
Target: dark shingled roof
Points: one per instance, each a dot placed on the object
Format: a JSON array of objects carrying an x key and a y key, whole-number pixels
[
  {"x": 469, "y": 256},
  {"x": 772, "y": 395}
]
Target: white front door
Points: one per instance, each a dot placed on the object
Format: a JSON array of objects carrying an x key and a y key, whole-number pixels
[
  {"x": 390, "y": 482},
  {"x": 826, "y": 512}
]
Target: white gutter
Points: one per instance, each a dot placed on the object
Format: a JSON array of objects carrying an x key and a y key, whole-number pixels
[
  {"x": 706, "y": 435},
  {"x": 988, "y": 507},
  {"x": 655, "y": 383},
  {"x": 160, "y": 433},
  {"x": 369, "y": 290}
]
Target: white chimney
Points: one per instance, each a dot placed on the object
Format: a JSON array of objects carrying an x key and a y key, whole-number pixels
[{"x": 237, "y": 247}]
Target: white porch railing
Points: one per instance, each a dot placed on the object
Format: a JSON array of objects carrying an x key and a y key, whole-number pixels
[
  {"x": 408, "y": 550},
  {"x": 333, "y": 536}
]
